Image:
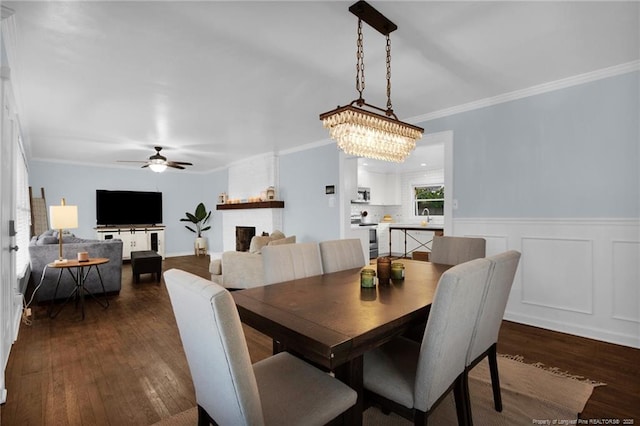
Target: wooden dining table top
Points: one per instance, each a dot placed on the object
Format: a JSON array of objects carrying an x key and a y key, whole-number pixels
[{"x": 331, "y": 319}]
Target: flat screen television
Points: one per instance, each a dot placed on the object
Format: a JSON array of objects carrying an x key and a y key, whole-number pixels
[{"x": 128, "y": 207}]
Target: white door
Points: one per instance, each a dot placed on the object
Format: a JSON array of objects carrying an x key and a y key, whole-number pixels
[{"x": 8, "y": 281}]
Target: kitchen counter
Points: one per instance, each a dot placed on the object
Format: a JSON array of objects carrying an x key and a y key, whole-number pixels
[
  {"x": 422, "y": 242},
  {"x": 417, "y": 226}
]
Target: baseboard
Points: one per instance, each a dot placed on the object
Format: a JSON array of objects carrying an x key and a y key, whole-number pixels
[{"x": 586, "y": 332}]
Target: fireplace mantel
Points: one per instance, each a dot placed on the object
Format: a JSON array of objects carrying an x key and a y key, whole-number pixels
[{"x": 256, "y": 205}]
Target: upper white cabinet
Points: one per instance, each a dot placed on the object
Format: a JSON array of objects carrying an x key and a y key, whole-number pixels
[{"x": 385, "y": 187}]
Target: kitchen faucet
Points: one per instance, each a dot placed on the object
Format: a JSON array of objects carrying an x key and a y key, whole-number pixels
[{"x": 428, "y": 214}]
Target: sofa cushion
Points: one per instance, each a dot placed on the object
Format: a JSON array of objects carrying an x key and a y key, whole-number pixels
[
  {"x": 70, "y": 239},
  {"x": 215, "y": 267},
  {"x": 287, "y": 240},
  {"x": 257, "y": 242},
  {"x": 276, "y": 235}
]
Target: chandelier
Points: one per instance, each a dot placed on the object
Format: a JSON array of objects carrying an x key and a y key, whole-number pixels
[{"x": 365, "y": 132}]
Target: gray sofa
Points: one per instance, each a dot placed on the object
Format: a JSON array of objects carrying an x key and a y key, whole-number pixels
[{"x": 43, "y": 250}]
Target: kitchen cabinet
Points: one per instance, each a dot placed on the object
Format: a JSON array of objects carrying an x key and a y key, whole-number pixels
[
  {"x": 135, "y": 238},
  {"x": 385, "y": 187},
  {"x": 383, "y": 239}
]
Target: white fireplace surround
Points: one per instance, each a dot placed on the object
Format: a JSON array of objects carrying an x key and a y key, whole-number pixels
[{"x": 250, "y": 178}]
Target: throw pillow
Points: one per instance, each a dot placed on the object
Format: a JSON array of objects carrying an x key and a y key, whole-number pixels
[
  {"x": 276, "y": 235},
  {"x": 287, "y": 240},
  {"x": 47, "y": 233},
  {"x": 257, "y": 242},
  {"x": 47, "y": 240}
]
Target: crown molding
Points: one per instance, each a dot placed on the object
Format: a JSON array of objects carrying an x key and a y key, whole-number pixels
[{"x": 532, "y": 91}]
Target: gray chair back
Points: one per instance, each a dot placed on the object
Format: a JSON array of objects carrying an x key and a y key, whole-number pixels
[
  {"x": 456, "y": 250},
  {"x": 487, "y": 327},
  {"x": 290, "y": 261},
  {"x": 216, "y": 349},
  {"x": 449, "y": 329},
  {"x": 338, "y": 255}
]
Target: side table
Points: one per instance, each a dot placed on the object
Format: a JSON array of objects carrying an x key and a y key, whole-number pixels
[{"x": 82, "y": 269}]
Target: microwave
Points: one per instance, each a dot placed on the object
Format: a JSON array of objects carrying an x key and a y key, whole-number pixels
[{"x": 363, "y": 196}]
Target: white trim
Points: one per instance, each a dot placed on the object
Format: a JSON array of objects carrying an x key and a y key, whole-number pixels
[
  {"x": 307, "y": 146},
  {"x": 575, "y": 329},
  {"x": 605, "y": 308},
  {"x": 549, "y": 220},
  {"x": 531, "y": 91}
]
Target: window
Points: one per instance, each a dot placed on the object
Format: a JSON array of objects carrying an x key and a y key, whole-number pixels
[{"x": 428, "y": 200}]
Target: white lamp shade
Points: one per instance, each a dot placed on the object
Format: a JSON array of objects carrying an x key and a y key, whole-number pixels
[{"x": 63, "y": 217}]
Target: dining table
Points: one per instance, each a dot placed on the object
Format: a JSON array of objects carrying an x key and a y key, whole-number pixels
[{"x": 331, "y": 321}]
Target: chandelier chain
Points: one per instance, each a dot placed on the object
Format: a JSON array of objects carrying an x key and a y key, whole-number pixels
[
  {"x": 360, "y": 61},
  {"x": 389, "y": 107}
]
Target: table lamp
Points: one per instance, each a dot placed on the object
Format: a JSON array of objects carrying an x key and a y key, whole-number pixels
[{"x": 63, "y": 217}]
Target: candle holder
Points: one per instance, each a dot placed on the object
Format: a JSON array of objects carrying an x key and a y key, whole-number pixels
[
  {"x": 367, "y": 278},
  {"x": 384, "y": 270},
  {"x": 397, "y": 271}
]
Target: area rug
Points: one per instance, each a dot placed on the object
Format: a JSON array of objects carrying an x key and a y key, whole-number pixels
[{"x": 531, "y": 394}]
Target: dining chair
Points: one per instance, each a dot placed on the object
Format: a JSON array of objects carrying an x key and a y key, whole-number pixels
[
  {"x": 487, "y": 328},
  {"x": 456, "y": 250},
  {"x": 412, "y": 378},
  {"x": 338, "y": 255},
  {"x": 279, "y": 390},
  {"x": 290, "y": 261}
]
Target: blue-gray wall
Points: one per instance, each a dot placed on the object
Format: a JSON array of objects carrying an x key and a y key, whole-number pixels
[
  {"x": 303, "y": 178},
  {"x": 571, "y": 153},
  {"x": 181, "y": 192}
]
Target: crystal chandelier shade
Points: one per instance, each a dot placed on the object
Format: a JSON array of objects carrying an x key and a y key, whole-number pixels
[{"x": 365, "y": 133}]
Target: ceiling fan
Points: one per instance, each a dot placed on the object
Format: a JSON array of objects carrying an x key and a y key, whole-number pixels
[{"x": 159, "y": 163}]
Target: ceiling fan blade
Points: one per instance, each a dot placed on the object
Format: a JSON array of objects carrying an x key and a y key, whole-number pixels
[{"x": 158, "y": 159}]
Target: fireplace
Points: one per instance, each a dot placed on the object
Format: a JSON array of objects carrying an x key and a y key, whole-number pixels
[{"x": 243, "y": 237}]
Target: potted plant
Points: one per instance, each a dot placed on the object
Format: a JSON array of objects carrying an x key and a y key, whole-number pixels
[{"x": 199, "y": 219}]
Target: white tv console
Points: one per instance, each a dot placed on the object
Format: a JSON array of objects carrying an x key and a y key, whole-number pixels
[{"x": 135, "y": 238}]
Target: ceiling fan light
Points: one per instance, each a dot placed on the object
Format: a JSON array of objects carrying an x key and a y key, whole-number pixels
[{"x": 158, "y": 167}]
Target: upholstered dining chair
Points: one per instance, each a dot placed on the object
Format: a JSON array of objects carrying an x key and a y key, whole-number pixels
[
  {"x": 279, "y": 390},
  {"x": 456, "y": 250},
  {"x": 338, "y": 255},
  {"x": 290, "y": 261},
  {"x": 410, "y": 378},
  {"x": 485, "y": 335}
]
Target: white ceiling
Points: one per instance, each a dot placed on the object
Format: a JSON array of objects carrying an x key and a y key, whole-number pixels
[{"x": 214, "y": 82}]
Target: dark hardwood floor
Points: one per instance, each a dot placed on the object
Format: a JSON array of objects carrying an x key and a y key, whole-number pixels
[{"x": 125, "y": 365}]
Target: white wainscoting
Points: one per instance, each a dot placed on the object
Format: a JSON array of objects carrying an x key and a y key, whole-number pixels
[{"x": 578, "y": 276}]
